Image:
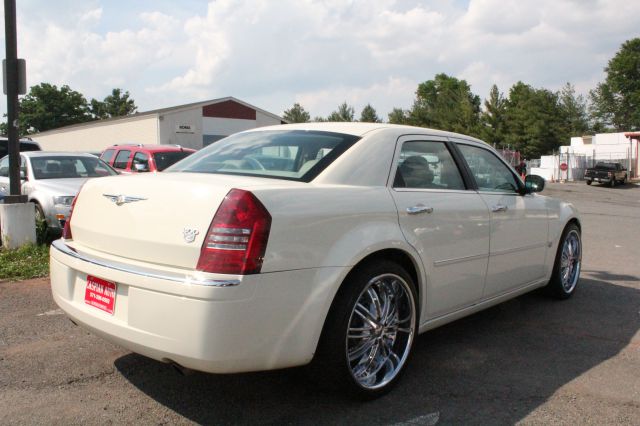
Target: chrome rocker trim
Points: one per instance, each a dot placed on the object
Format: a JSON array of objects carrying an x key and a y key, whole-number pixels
[{"x": 62, "y": 247}]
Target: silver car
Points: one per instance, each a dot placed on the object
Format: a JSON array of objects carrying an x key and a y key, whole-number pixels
[{"x": 51, "y": 181}]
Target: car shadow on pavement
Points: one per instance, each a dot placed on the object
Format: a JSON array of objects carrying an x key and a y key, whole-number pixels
[
  {"x": 628, "y": 185},
  {"x": 496, "y": 366}
]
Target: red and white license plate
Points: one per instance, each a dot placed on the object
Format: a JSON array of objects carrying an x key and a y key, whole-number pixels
[{"x": 100, "y": 294}]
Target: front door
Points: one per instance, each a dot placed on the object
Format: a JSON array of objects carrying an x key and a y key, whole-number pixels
[
  {"x": 519, "y": 223},
  {"x": 445, "y": 222}
]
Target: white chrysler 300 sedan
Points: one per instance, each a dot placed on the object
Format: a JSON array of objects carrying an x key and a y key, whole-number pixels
[{"x": 331, "y": 242}]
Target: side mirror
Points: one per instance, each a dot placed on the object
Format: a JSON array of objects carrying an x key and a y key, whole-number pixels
[
  {"x": 23, "y": 175},
  {"x": 533, "y": 183},
  {"x": 141, "y": 167}
]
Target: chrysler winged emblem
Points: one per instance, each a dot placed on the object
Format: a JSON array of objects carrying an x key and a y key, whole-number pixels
[
  {"x": 122, "y": 199},
  {"x": 190, "y": 234}
]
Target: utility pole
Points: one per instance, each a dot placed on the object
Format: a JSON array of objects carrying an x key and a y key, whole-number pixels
[
  {"x": 12, "y": 78},
  {"x": 17, "y": 217}
]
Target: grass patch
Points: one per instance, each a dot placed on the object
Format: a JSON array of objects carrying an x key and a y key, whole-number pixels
[{"x": 30, "y": 261}]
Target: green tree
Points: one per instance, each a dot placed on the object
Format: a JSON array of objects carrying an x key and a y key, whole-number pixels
[
  {"x": 117, "y": 104},
  {"x": 343, "y": 113},
  {"x": 616, "y": 101},
  {"x": 492, "y": 118},
  {"x": 296, "y": 114},
  {"x": 398, "y": 116},
  {"x": 369, "y": 115},
  {"x": 48, "y": 107},
  {"x": 446, "y": 103},
  {"x": 574, "y": 112},
  {"x": 534, "y": 121}
]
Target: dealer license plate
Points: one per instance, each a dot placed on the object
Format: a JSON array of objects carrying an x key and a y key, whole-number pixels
[{"x": 100, "y": 294}]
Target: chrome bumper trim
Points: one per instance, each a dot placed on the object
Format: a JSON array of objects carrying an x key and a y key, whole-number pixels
[{"x": 62, "y": 247}]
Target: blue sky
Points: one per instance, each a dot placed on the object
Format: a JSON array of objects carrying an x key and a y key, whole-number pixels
[{"x": 318, "y": 53}]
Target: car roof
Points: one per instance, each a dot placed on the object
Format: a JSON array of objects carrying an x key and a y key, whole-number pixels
[
  {"x": 32, "y": 154},
  {"x": 5, "y": 139},
  {"x": 360, "y": 129},
  {"x": 151, "y": 147}
]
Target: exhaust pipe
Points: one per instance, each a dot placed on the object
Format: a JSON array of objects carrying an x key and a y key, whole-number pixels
[{"x": 184, "y": 371}]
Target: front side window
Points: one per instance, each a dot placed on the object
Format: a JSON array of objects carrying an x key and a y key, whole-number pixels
[
  {"x": 140, "y": 162},
  {"x": 122, "y": 159},
  {"x": 490, "y": 173},
  {"x": 427, "y": 165},
  {"x": 285, "y": 154}
]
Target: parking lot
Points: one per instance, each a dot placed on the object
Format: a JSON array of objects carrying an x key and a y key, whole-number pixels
[{"x": 532, "y": 360}]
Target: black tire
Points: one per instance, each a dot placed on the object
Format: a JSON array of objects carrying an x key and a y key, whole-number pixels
[
  {"x": 588, "y": 182},
  {"x": 40, "y": 217},
  {"x": 43, "y": 232},
  {"x": 564, "y": 281},
  {"x": 332, "y": 366}
]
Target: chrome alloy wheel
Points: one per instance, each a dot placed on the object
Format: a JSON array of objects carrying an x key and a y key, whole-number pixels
[
  {"x": 570, "y": 261},
  {"x": 381, "y": 329}
]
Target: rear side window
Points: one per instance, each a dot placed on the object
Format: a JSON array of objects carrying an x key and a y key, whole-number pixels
[
  {"x": 427, "y": 165},
  {"x": 285, "y": 154},
  {"x": 122, "y": 159},
  {"x": 108, "y": 155}
]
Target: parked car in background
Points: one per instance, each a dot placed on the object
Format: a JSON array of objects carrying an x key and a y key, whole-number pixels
[
  {"x": 609, "y": 173},
  {"x": 334, "y": 243},
  {"x": 139, "y": 158},
  {"x": 25, "y": 145},
  {"x": 51, "y": 181}
]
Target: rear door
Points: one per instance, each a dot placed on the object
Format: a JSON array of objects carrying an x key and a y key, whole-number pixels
[
  {"x": 445, "y": 222},
  {"x": 519, "y": 223}
]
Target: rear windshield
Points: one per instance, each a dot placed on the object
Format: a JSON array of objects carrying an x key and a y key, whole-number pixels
[
  {"x": 285, "y": 154},
  {"x": 166, "y": 159},
  {"x": 68, "y": 167},
  {"x": 24, "y": 146},
  {"x": 606, "y": 166}
]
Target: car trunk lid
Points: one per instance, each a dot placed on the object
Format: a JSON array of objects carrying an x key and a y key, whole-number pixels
[{"x": 160, "y": 218}]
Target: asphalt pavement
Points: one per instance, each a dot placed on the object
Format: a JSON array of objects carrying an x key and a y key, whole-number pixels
[{"x": 532, "y": 360}]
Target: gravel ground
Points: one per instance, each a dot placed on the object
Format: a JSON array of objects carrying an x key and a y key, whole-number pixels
[{"x": 531, "y": 360}]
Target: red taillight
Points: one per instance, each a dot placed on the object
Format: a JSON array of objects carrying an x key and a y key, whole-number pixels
[
  {"x": 66, "y": 231},
  {"x": 237, "y": 238}
]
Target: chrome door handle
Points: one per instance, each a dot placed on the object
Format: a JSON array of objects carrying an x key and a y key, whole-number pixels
[
  {"x": 419, "y": 209},
  {"x": 499, "y": 208}
]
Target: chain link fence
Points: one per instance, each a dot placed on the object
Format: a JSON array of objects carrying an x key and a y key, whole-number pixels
[{"x": 578, "y": 163}]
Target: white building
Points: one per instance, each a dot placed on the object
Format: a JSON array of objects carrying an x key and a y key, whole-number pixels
[
  {"x": 193, "y": 126},
  {"x": 585, "y": 151}
]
